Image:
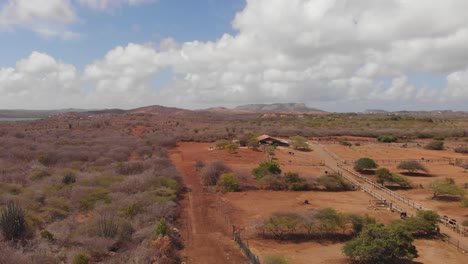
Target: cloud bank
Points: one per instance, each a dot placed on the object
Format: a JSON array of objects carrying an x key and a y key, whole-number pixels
[{"x": 334, "y": 54}]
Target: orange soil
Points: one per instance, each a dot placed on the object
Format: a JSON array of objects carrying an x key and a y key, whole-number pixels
[{"x": 249, "y": 208}]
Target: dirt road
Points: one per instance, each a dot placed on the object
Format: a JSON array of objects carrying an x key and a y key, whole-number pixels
[{"x": 207, "y": 236}]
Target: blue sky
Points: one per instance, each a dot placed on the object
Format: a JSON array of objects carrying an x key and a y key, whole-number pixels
[
  {"x": 336, "y": 55},
  {"x": 183, "y": 20}
]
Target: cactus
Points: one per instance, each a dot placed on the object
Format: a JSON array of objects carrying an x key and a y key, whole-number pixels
[{"x": 12, "y": 221}]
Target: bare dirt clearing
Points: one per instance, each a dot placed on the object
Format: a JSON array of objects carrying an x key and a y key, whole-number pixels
[
  {"x": 250, "y": 207},
  {"x": 422, "y": 194}
]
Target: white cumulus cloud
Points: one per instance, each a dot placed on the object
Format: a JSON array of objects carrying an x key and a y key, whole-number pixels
[{"x": 332, "y": 54}]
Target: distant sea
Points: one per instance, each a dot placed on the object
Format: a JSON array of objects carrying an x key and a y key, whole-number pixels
[{"x": 15, "y": 119}]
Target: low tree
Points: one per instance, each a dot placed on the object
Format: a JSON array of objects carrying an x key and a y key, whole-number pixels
[
  {"x": 435, "y": 145},
  {"x": 329, "y": 220},
  {"x": 381, "y": 244},
  {"x": 363, "y": 164},
  {"x": 387, "y": 138},
  {"x": 299, "y": 143},
  {"x": 294, "y": 182},
  {"x": 252, "y": 141},
  {"x": 384, "y": 175},
  {"x": 412, "y": 166},
  {"x": 447, "y": 186},
  {"x": 221, "y": 144},
  {"x": 360, "y": 222},
  {"x": 334, "y": 182},
  {"x": 232, "y": 147},
  {"x": 228, "y": 183},
  {"x": 282, "y": 223},
  {"x": 266, "y": 168},
  {"x": 424, "y": 223},
  {"x": 211, "y": 172}
]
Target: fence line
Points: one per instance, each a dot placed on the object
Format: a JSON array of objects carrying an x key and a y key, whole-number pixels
[
  {"x": 453, "y": 242},
  {"x": 456, "y": 227},
  {"x": 225, "y": 210},
  {"x": 443, "y": 161},
  {"x": 245, "y": 248}
]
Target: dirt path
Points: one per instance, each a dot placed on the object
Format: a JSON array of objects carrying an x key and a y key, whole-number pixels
[{"x": 206, "y": 235}]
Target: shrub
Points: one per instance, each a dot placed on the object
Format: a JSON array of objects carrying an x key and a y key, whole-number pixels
[
  {"x": 384, "y": 175},
  {"x": 228, "y": 183},
  {"x": 211, "y": 172},
  {"x": 412, "y": 166},
  {"x": 365, "y": 164},
  {"x": 12, "y": 221},
  {"x": 346, "y": 143},
  {"x": 90, "y": 199},
  {"x": 132, "y": 210},
  {"x": 275, "y": 259},
  {"x": 47, "y": 235},
  {"x": 294, "y": 182},
  {"x": 435, "y": 145},
  {"x": 130, "y": 168},
  {"x": 281, "y": 223},
  {"x": 69, "y": 178},
  {"x": 445, "y": 186},
  {"x": 81, "y": 259},
  {"x": 334, "y": 182},
  {"x": 37, "y": 175},
  {"x": 463, "y": 150},
  {"x": 266, "y": 168},
  {"x": 299, "y": 143},
  {"x": 387, "y": 138},
  {"x": 162, "y": 228}
]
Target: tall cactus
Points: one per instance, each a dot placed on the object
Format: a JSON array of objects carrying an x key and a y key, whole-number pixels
[{"x": 12, "y": 221}]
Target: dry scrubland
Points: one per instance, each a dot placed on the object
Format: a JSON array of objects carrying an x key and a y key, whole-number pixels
[{"x": 94, "y": 187}]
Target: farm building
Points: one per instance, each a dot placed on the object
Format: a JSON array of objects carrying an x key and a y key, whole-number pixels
[{"x": 267, "y": 140}]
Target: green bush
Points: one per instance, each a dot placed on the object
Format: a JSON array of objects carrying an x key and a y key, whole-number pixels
[
  {"x": 81, "y": 259},
  {"x": 334, "y": 182},
  {"x": 91, "y": 198},
  {"x": 47, "y": 235},
  {"x": 275, "y": 259},
  {"x": 266, "y": 168},
  {"x": 387, "y": 138},
  {"x": 435, "y": 145},
  {"x": 294, "y": 182},
  {"x": 365, "y": 164},
  {"x": 346, "y": 143},
  {"x": 38, "y": 175},
  {"x": 107, "y": 226},
  {"x": 162, "y": 228},
  {"x": 228, "y": 183},
  {"x": 412, "y": 166},
  {"x": 12, "y": 221},
  {"x": 132, "y": 210}
]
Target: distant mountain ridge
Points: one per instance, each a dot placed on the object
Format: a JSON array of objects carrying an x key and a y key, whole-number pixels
[{"x": 279, "y": 108}]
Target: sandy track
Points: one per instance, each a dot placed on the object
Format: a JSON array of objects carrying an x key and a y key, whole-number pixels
[{"x": 206, "y": 235}]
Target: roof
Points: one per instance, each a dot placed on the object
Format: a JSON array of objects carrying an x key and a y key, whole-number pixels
[{"x": 265, "y": 137}]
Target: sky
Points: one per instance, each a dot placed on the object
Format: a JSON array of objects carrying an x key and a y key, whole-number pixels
[{"x": 336, "y": 55}]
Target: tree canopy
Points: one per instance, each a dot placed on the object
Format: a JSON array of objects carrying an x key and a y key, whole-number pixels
[
  {"x": 365, "y": 164},
  {"x": 299, "y": 143},
  {"x": 266, "y": 168},
  {"x": 378, "y": 243},
  {"x": 445, "y": 186},
  {"x": 412, "y": 166},
  {"x": 384, "y": 175}
]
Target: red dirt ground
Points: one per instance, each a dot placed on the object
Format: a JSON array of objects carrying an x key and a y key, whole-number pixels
[{"x": 251, "y": 207}]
